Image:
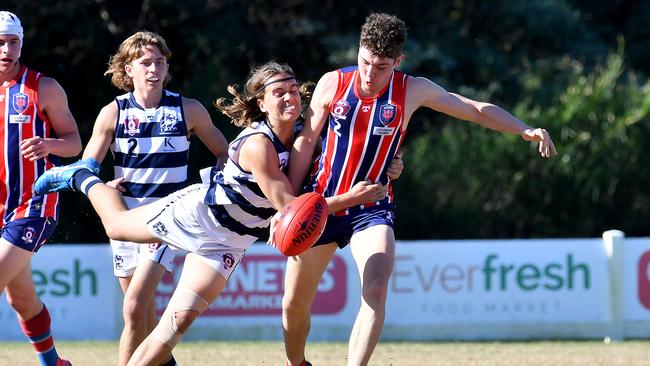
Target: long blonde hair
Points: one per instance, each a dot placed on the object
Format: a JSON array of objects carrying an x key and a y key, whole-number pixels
[
  {"x": 242, "y": 108},
  {"x": 130, "y": 50}
]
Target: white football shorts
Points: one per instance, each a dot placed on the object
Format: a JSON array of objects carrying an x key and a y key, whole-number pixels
[
  {"x": 127, "y": 255},
  {"x": 182, "y": 220}
]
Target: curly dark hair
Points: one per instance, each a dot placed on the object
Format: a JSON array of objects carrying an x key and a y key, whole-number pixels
[{"x": 383, "y": 35}]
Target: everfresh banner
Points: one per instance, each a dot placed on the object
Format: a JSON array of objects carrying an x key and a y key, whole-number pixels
[
  {"x": 77, "y": 285},
  {"x": 499, "y": 289},
  {"x": 485, "y": 282}
]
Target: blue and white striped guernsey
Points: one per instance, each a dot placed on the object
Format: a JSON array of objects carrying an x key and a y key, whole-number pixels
[
  {"x": 235, "y": 199},
  {"x": 151, "y": 147}
]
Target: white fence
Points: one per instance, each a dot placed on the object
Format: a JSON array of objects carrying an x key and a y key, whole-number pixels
[{"x": 474, "y": 289}]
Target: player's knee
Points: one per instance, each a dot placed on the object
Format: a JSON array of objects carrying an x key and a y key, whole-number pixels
[
  {"x": 184, "y": 319},
  {"x": 134, "y": 312},
  {"x": 376, "y": 291},
  {"x": 19, "y": 302},
  {"x": 183, "y": 308},
  {"x": 295, "y": 304}
]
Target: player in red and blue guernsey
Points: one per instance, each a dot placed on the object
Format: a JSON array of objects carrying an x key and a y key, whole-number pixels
[
  {"x": 367, "y": 109},
  {"x": 36, "y": 126}
]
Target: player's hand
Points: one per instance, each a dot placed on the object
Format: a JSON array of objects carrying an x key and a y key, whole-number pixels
[
  {"x": 35, "y": 148},
  {"x": 274, "y": 224},
  {"x": 396, "y": 167},
  {"x": 546, "y": 146},
  {"x": 117, "y": 184},
  {"x": 366, "y": 192}
]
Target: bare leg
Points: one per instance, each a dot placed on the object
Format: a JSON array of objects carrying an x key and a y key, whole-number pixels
[
  {"x": 139, "y": 307},
  {"x": 373, "y": 250},
  {"x": 301, "y": 282},
  {"x": 119, "y": 222},
  {"x": 12, "y": 260},
  {"x": 197, "y": 277},
  {"x": 33, "y": 317},
  {"x": 21, "y": 295}
]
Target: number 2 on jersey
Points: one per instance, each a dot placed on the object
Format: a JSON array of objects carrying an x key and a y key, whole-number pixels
[{"x": 132, "y": 145}]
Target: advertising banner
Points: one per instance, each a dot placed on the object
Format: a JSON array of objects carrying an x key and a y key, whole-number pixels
[
  {"x": 250, "y": 307},
  {"x": 508, "y": 289},
  {"x": 439, "y": 290},
  {"x": 499, "y": 289},
  {"x": 635, "y": 282},
  {"x": 77, "y": 285}
]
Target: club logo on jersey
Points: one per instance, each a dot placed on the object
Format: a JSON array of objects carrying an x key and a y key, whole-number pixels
[
  {"x": 341, "y": 108},
  {"x": 160, "y": 229},
  {"x": 119, "y": 261},
  {"x": 21, "y": 101},
  {"x": 228, "y": 260},
  {"x": 387, "y": 113},
  {"x": 169, "y": 123},
  {"x": 131, "y": 125},
  {"x": 29, "y": 234}
]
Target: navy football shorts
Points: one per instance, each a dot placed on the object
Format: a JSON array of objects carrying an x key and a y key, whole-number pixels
[
  {"x": 339, "y": 229},
  {"x": 29, "y": 233}
]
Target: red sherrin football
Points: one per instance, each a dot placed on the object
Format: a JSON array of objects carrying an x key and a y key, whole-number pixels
[{"x": 301, "y": 223}]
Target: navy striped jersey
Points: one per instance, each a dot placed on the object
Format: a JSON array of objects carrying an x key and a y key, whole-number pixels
[
  {"x": 234, "y": 197},
  {"x": 151, "y": 147}
]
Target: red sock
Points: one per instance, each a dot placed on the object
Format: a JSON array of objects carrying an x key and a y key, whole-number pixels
[{"x": 37, "y": 330}]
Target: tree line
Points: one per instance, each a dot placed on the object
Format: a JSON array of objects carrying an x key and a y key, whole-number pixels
[{"x": 578, "y": 68}]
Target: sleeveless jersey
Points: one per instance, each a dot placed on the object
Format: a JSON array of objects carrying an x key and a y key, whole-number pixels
[
  {"x": 235, "y": 199},
  {"x": 362, "y": 137},
  {"x": 151, "y": 148},
  {"x": 22, "y": 120}
]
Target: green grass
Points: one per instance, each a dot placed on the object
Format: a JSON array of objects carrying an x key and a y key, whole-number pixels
[{"x": 569, "y": 353}]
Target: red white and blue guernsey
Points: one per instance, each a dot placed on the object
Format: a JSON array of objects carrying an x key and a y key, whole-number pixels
[
  {"x": 22, "y": 120},
  {"x": 362, "y": 137}
]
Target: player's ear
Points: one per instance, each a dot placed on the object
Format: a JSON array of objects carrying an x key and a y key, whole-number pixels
[
  {"x": 260, "y": 105},
  {"x": 129, "y": 70},
  {"x": 399, "y": 60}
]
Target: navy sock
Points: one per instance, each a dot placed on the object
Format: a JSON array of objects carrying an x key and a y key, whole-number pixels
[{"x": 83, "y": 180}]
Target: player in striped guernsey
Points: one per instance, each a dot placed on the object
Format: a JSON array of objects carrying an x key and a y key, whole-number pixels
[
  {"x": 365, "y": 111},
  {"x": 35, "y": 127},
  {"x": 218, "y": 220},
  {"x": 148, "y": 131}
]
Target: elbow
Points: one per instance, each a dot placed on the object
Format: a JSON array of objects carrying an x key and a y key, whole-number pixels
[
  {"x": 72, "y": 146},
  {"x": 76, "y": 147}
]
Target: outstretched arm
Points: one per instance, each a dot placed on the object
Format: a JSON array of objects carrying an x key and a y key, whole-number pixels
[
  {"x": 53, "y": 103},
  {"x": 423, "y": 92}
]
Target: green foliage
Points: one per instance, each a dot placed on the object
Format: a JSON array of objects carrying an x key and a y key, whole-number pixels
[
  {"x": 481, "y": 184},
  {"x": 553, "y": 63}
]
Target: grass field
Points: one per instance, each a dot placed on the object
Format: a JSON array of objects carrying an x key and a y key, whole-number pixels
[{"x": 588, "y": 353}]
